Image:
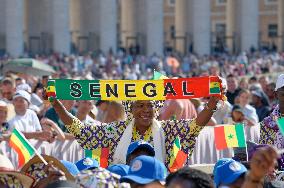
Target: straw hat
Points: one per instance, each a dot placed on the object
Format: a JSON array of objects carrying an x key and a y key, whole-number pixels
[
  {"x": 9, "y": 176},
  {"x": 35, "y": 167}
]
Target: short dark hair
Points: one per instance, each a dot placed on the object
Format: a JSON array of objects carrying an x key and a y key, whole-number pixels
[
  {"x": 196, "y": 177},
  {"x": 253, "y": 78}
]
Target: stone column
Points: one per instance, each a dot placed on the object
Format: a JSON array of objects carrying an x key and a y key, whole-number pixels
[
  {"x": 154, "y": 27},
  {"x": 127, "y": 24},
  {"x": 230, "y": 24},
  {"x": 201, "y": 26},
  {"x": 61, "y": 26},
  {"x": 249, "y": 24},
  {"x": 14, "y": 27},
  {"x": 180, "y": 24},
  {"x": 108, "y": 25},
  {"x": 281, "y": 25}
]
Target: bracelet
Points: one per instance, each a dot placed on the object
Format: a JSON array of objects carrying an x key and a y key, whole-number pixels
[
  {"x": 207, "y": 107},
  {"x": 253, "y": 180}
]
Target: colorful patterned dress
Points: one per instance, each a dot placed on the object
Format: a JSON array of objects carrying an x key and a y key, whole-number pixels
[
  {"x": 270, "y": 134},
  {"x": 103, "y": 135}
]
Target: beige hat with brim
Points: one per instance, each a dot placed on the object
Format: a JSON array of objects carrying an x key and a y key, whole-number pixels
[{"x": 25, "y": 180}]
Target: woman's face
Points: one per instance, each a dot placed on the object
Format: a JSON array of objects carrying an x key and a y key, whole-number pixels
[
  {"x": 237, "y": 116},
  {"x": 143, "y": 112},
  {"x": 244, "y": 98}
]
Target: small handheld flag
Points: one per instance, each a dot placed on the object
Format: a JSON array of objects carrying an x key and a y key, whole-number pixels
[
  {"x": 214, "y": 86},
  {"x": 100, "y": 154},
  {"x": 178, "y": 157},
  {"x": 50, "y": 90},
  {"x": 159, "y": 76},
  {"x": 229, "y": 136},
  {"x": 23, "y": 148}
]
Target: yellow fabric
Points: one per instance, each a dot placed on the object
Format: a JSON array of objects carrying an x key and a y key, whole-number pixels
[
  {"x": 50, "y": 89},
  {"x": 138, "y": 89},
  {"x": 23, "y": 149},
  {"x": 96, "y": 153},
  {"x": 231, "y": 136},
  {"x": 214, "y": 84}
]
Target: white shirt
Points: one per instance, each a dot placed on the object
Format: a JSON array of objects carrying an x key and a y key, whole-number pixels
[
  {"x": 26, "y": 123},
  {"x": 223, "y": 113},
  {"x": 89, "y": 120}
]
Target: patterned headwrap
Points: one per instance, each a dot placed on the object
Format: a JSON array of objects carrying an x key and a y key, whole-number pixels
[
  {"x": 99, "y": 177},
  {"x": 11, "y": 181},
  {"x": 127, "y": 107}
]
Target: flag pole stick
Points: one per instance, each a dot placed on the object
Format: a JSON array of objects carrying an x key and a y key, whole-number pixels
[
  {"x": 245, "y": 142},
  {"x": 36, "y": 152}
]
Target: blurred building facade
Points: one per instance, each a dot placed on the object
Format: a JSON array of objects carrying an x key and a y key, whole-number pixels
[{"x": 142, "y": 26}]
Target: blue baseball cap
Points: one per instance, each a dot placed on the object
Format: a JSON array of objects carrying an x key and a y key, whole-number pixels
[
  {"x": 71, "y": 167},
  {"x": 228, "y": 172},
  {"x": 139, "y": 145},
  {"x": 87, "y": 163},
  {"x": 219, "y": 163},
  {"x": 120, "y": 169},
  {"x": 145, "y": 169}
]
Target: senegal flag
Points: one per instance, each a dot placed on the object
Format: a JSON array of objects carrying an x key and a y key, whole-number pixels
[
  {"x": 229, "y": 136},
  {"x": 280, "y": 123},
  {"x": 178, "y": 157},
  {"x": 214, "y": 87},
  {"x": 159, "y": 76},
  {"x": 50, "y": 90},
  {"x": 21, "y": 145},
  {"x": 100, "y": 154}
]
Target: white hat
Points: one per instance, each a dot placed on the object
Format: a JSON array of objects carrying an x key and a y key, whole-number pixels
[
  {"x": 279, "y": 82},
  {"x": 25, "y": 87},
  {"x": 24, "y": 94}
]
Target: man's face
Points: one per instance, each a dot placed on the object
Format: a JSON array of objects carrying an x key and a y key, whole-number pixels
[
  {"x": 85, "y": 106},
  {"x": 21, "y": 105},
  {"x": 255, "y": 99},
  {"x": 232, "y": 84},
  {"x": 263, "y": 82},
  {"x": 3, "y": 113},
  {"x": 7, "y": 91},
  {"x": 143, "y": 112},
  {"x": 280, "y": 95}
]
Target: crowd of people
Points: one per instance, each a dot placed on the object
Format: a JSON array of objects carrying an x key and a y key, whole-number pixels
[{"x": 139, "y": 135}]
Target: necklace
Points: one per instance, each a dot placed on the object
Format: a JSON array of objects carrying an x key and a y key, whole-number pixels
[{"x": 136, "y": 136}]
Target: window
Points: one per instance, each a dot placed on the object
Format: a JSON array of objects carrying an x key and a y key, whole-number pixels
[
  {"x": 272, "y": 30},
  {"x": 220, "y": 29},
  {"x": 171, "y": 2},
  {"x": 270, "y": 2},
  {"x": 221, "y": 2},
  {"x": 172, "y": 31}
]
